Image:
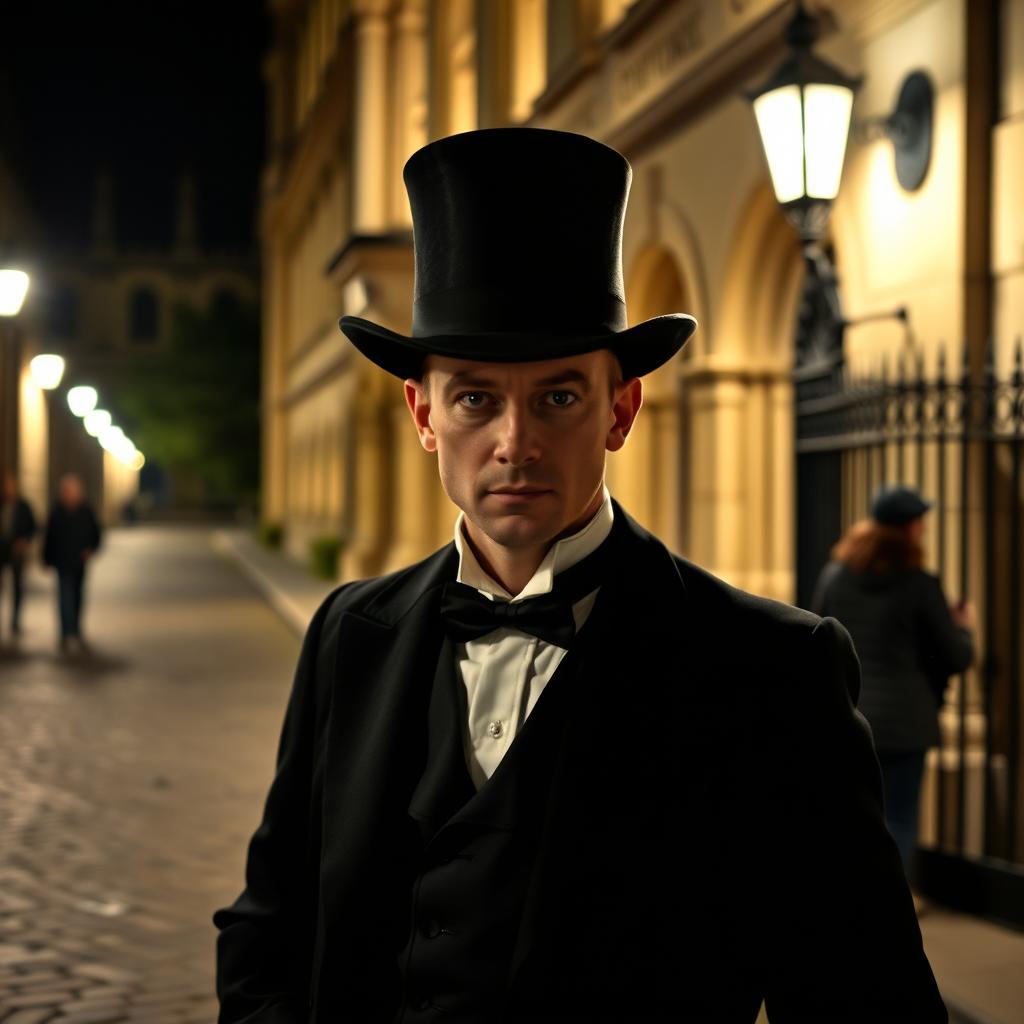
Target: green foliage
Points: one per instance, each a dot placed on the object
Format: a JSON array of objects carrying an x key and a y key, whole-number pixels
[
  {"x": 194, "y": 403},
  {"x": 271, "y": 535},
  {"x": 323, "y": 557}
]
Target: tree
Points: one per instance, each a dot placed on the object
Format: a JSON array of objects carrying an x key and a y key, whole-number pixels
[{"x": 194, "y": 403}]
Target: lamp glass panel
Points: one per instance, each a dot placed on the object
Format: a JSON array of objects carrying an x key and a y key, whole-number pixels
[
  {"x": 780, "y": 122},
  {"x": 13, "y": 288},
  {"x": 827, "y": 117}
]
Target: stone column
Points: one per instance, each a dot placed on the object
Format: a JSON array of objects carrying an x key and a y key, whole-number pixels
[
  {"x": 370, "y": 137},
  {"x": 415, "y": 484},
  {"x": 719, "y": 499},
  {"x": 372, "y": 496},
  {"x": 409, "y": 123}
]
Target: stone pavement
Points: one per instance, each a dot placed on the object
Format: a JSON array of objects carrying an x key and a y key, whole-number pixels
[{"x": 131, "y": 779}]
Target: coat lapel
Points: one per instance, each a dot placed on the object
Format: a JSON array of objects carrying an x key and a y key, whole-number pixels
[{"x": 374, "y": 752}]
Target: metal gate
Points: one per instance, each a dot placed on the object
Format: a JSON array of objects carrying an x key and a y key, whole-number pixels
[{"x": 958, "y": 437}]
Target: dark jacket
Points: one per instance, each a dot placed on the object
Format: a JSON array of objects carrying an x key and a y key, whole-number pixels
[
  {"x": 908, "y": 645},
  {"x": 23, "y": 527},
  {"x": 713, "y": 830},
  {"x": 69, "y": 532}
]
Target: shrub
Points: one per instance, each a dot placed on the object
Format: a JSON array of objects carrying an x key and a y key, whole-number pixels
[
  {"x": 323, "y": 557},
  {"x": 271, "y": 535}
]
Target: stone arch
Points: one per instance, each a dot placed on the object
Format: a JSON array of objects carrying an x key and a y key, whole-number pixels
[
  {"x": 741, "y": 391},
  {"x": 648, "y": 474}
]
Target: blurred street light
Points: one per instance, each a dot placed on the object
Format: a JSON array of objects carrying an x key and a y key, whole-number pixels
[
  {"x": 13, "y": 288},
  {"x": 82, "y": 399},
  {"x": 47, "y": 371},
  {"x": 97, "y": 421},
  {"x": 111, "y": 438}
]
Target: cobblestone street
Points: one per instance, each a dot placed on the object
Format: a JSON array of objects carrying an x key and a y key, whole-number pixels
[{"x": 130, "y": 780}]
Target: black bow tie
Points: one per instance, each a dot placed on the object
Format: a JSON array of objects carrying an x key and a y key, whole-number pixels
[{"x": 467, "y": 614}]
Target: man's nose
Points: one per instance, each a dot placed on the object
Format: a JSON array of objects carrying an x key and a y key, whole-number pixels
[{"x": 517, "y": 437}]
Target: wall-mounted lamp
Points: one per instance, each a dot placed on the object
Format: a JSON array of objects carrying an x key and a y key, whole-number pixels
[
  {"x": 909, "y": 128},
  {"x": 803, "y": 117}
]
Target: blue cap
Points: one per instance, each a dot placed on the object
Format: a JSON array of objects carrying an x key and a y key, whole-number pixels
[{"x": 894, "y": 504}]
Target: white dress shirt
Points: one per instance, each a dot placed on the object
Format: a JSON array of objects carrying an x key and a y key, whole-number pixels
[{"x": 505, "y": 671}]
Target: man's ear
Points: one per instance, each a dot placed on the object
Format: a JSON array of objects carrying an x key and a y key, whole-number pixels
[
  {"x": 628, "y": 398},
  {"x": 417, "y": 398}
]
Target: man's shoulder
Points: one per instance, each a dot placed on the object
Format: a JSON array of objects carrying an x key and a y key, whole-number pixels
[
  {"x": 723, "y": 605},
  {"x": 387, "y": 597}
]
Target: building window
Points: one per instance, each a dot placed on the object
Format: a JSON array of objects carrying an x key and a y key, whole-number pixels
[
  {"x": 144, "y": 316},
  {"x": 64, "y": 313}
]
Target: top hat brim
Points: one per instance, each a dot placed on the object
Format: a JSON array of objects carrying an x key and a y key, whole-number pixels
[{"x": 640, "y": 349}]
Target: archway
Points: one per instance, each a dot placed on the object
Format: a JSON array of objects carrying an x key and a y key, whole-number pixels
[
  {"x": 649, "y": 475},
  {"x": 740, "y": 390}
]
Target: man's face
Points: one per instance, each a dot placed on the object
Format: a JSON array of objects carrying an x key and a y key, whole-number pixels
[
  {"x": 10, "y": 487},
  {"x": 540, "y": 427}
]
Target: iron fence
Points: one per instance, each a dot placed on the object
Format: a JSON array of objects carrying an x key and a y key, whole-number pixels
[{"x": 956, "y": 435}]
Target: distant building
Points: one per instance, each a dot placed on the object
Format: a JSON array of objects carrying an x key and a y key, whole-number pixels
[{"x": 108, "y": 307}]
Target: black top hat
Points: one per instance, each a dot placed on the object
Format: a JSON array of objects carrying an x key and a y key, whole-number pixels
[
  {"x": 894, "y": 505},
  {"x": 518, "y": 245}
]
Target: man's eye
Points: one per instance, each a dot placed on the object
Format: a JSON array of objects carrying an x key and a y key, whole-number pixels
[
  {"x": 471, "y": 394},
  {"x": 562, "y": 396}
]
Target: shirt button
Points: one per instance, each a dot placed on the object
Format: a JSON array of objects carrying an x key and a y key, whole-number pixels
[{"x": 495, "y": 729}]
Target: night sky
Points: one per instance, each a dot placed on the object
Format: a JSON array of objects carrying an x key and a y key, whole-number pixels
[{"x": 146, "y": 94}]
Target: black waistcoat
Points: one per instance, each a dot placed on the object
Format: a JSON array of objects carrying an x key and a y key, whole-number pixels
[{"x": 478, "y": 847}]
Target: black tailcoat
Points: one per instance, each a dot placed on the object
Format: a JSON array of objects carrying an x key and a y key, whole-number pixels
[{"x": 713, "y": 833}]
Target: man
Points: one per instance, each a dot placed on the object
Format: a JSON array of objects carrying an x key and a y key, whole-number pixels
[
  {"x": 554, "y": 771},
  {"x": 17, "y": 528},
  {"x": 72, "y": 538}
]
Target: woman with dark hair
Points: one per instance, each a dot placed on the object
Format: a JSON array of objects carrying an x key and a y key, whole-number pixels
[{"x": 908, "y": 639}]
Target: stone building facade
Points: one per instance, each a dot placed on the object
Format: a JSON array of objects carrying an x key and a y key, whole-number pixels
[{"x": 355, "y": 86}]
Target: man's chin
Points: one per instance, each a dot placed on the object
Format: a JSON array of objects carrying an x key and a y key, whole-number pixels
[{"x": 515, "y": 527}]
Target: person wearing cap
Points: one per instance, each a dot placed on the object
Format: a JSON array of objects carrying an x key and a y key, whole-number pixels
[
  {"x": 555, "y": 771},
  {"x": 908, "y": 638}
]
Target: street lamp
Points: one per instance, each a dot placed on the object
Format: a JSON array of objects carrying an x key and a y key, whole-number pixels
[
  {"x": 82, "y": 400},
  {"x": 47, "y": 370},
  {"x": 13, "y": 289},
  {"x": 803, "y": 117},
  {"x": 97, "y": 421}
]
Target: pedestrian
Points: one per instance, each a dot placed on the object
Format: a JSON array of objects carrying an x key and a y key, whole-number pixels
[
  {"x": 908, "y": 638},
  {"x": 554, "y": 771},
  {"x": 72, "y": 539},
  {"x": 17, "y": 528}
]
